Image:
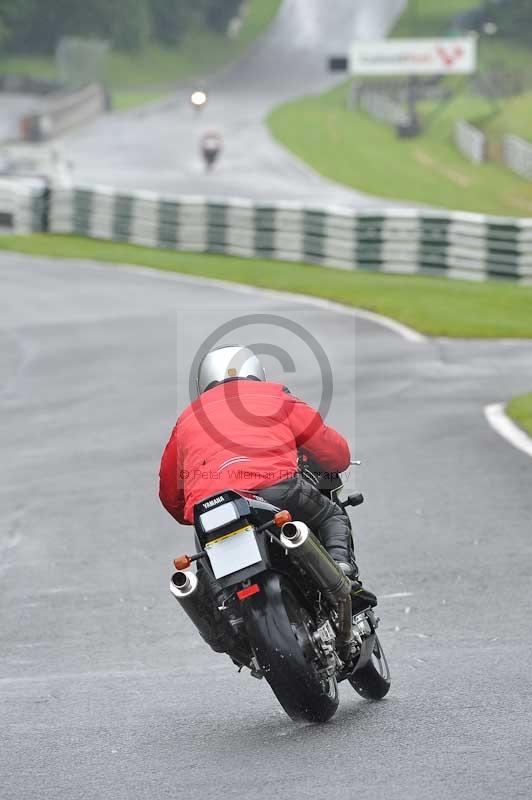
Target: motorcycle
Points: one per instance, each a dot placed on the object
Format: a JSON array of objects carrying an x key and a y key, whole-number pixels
[{"x": 267, "y": 593}]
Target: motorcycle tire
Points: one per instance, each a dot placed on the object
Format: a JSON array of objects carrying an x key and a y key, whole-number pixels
[
  {"x": 279, "y": 629},
  {"x": 372, "y": 681},
  {"x": 210, "y": 157}
]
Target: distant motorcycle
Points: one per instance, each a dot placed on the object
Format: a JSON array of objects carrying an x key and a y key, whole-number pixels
[
  {"x": 211, "y": 147},
  {"x": 269, "y": 595}
]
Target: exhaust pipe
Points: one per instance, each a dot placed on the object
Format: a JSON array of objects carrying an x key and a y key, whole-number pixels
[
  {"x": 304, "y": 547},
  {"x": 198, "y": 603},
  {"x": 183, "y": 584},
  {"x": 314, "y": 559}
]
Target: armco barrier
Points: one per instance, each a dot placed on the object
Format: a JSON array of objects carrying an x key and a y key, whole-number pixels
[
  {"x": 453, "y": 244},
  {"x": 23, "y": 205},
  {"x": 470, "y": 141},
  {"x": 517, "y": 155},
  {"x": 25, "y": 84},
  {"x": 64, "y": 110}
]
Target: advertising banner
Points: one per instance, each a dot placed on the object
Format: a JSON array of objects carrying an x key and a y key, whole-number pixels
[{"x": 450, "y": 56}]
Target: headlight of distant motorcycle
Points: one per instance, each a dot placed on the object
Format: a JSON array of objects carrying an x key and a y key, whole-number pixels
[{"x": 198, "y": 98}]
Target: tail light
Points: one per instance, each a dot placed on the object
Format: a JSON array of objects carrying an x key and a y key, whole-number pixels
[{"x": 248, "y": 591}]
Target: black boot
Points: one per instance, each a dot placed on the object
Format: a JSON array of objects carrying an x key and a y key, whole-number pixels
[{"x": 361, "y": 598}]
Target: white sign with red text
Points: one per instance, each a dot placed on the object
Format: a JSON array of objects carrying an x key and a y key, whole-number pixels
[{"x": 456, "y": 56}]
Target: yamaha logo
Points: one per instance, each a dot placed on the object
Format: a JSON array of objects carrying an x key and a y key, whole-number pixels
[{"x": 214, "y": 502}]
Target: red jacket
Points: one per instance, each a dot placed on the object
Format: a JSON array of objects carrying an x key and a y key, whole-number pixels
[{"x": 242, "y": 434}]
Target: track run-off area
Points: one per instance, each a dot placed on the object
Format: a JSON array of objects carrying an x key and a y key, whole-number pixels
[{"x": 106, "y": 689}]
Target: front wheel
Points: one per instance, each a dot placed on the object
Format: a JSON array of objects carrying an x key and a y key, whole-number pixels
[
  {"x": 372, "y": 680},
  {"x": 280, "y": 631}
]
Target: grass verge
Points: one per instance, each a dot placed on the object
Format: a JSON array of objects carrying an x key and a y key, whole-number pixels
[
  {"x": 520, "y": 410},
  {"x": 434, "y": 306},
  {"x": 124, "y": 99},
  {"x": 156, "y": 69}
]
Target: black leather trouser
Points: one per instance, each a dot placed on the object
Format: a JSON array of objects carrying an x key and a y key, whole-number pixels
[{"x": 307, "y": 504}]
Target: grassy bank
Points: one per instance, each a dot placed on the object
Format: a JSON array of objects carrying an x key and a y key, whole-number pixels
[
  {"x": 352, "y": 148},
  {"x": 520, "y": 410},
  {"x": 512, "y": 115},
  {"x": 432, "y": 305},
  {"x": 155, "y": 69}
]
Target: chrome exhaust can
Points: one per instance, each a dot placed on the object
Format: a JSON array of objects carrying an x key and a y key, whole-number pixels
[
  {"x": 200, "y": 607},
  {"x": 315, "y": 561},
  {"x": 305, "y": 548}
]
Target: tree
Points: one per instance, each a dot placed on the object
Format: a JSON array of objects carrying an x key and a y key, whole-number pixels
[
  {"x": 218, "y": 13},
  {"x": 35, "y": 26},
  {"x": 11, "y": 13},
  {"x": 513, "y": 19},
  {"x": 169, "y": 20},
  {"x": 32, "y": 26}
]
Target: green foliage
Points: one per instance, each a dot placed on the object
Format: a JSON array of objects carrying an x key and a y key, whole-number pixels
[
  {"x": 34, "y": 26},
  {"x": 429, "y": 17},
  {"x": 434, "y": 18},
  {"x": 157, "y": 67},
  {"x": 218, "y": 15},
  {"x": 513, "y": 19},
  {"x": 169, "y": 20}
]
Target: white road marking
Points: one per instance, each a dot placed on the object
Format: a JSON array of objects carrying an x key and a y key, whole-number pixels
[
  {"x": 404, "y": 331},
  {"x": 395, "y": 594},
  {"x": 504, "y": 426},
  {"x": 409, "y": 334}
]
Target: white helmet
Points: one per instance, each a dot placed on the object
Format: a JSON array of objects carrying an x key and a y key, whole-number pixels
[{"x": 228, "y": 362}]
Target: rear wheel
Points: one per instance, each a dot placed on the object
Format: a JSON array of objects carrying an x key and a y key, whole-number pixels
[
  {"x": 373, "y": 681},
  {"x": 280, "y": 631}
]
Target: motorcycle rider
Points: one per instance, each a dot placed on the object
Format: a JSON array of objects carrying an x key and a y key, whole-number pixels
[
  {"x": 244, "y": 433},
  {"x": 211, "y": 147}
]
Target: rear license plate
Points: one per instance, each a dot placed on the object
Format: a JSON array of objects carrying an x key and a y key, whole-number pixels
[{"x": 234, "y": 551}]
